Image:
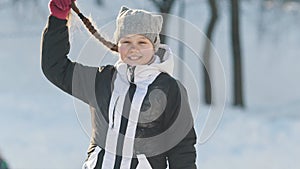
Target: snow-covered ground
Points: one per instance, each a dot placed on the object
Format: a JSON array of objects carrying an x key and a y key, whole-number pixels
[{"x": 39, "y": 127}]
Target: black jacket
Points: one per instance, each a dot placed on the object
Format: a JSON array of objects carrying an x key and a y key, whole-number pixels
[{"x": 169, "y": 136}]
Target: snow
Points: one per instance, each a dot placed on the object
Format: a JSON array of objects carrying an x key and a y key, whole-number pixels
[{"x": 42, "y": 126}]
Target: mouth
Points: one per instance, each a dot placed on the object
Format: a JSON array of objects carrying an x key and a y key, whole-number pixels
[{"x": 134, "y": 57}]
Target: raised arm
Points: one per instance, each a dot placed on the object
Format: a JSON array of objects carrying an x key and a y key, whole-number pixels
[
  {"x": 55, "y": 47},
  {"x": 71, "y": 77}
]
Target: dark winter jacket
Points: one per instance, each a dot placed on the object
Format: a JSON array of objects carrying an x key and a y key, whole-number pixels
[{"x": 140, "y": 115}]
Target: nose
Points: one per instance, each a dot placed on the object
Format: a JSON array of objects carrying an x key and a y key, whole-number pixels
[{"x": 133, "y": 47}]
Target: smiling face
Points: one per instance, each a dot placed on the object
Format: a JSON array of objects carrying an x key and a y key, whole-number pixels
[{"x": 136, "y": 50}]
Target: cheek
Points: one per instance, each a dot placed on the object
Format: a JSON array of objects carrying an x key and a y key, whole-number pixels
[
  {"x": 123, "y": 51},
  {"x": 148, "y": 53}
]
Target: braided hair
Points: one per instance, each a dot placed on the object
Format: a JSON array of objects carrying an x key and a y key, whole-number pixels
[{"x": 92, "y": 29}]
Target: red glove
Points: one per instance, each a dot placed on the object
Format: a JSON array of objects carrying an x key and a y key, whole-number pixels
[{"x": 60, "y": 8}]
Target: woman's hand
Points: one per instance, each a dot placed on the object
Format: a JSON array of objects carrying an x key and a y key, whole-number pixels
[{"x": 60, "y": 8}]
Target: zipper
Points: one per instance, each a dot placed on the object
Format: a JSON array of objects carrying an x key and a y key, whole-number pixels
[{"x": 131, "y": 73}]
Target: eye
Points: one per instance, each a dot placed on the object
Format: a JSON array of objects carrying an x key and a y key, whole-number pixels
[
  {"x": 142, "y": 42},
  {"x": 126, "y": 41}
]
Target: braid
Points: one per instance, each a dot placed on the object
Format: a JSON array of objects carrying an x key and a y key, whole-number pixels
[{"x": 93, "y": 31}]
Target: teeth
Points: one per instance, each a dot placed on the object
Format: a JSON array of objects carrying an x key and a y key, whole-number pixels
[{"x": 134, "y": 57}]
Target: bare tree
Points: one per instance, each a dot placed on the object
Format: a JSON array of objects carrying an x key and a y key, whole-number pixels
[
  {"x": 236, "y": 51},
  {"x": 99, "y": 2},
  {"x": 181, "y": 35},
  {"x": 207, "y": 49},
  {"x": 164, "y": 7}
]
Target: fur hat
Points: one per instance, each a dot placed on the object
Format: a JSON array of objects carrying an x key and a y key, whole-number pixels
[{"x": 136, "y": 21}]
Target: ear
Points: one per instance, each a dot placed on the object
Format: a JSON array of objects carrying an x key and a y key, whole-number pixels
[
  {"x": 159, "y": 21},
  {"x": 123, "y": 9}
]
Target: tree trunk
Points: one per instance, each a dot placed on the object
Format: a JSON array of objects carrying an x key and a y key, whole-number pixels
[
  {"x": 237, "y": 62},
  {"x": 99, "y": 2},
  {"x": 164, "y": 7},
  {"x": 181, "y": 35},
  {"x": 207, "y": 49}
]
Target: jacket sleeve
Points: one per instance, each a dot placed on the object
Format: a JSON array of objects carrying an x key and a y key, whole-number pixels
[
  {"x": 73, "y": 78},
  {"x": 183, "y": 154}
]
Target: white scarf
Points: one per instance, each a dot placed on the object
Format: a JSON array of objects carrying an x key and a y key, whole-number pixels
[{"x": 144, "y": 75}]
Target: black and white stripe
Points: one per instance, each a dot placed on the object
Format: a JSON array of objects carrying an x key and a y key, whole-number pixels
[{"x": 124, "y": 108}]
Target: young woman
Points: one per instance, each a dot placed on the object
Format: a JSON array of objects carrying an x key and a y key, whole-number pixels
[{"x": 140, "y": 113}]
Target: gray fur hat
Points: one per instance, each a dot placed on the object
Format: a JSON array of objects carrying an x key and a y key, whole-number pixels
[{"x": 136, "y": 21}]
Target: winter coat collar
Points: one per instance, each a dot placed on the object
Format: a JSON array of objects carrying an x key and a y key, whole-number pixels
[{"x": 142, "y": 73}]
